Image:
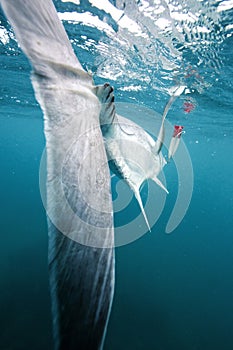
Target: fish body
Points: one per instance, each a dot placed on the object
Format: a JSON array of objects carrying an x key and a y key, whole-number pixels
[{"x": 132, "y": 153}]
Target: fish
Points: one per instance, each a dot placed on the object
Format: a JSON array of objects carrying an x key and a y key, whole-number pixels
[
  {"x": 133, "y": 154},
  {"x": 79, "y": 210}
]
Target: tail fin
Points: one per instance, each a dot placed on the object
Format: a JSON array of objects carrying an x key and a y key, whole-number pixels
[
  {"x": 138, "y": 197},
  {"x": 159, "y": 183}
]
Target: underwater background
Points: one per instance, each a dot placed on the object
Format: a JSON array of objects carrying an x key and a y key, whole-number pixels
[{"x": 173, "y": 291}]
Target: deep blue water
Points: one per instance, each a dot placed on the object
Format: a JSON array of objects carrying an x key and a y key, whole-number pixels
[{"x": 173, "y": 291}]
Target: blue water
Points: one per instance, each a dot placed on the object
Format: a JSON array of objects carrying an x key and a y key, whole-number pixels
[{"x": 173, "y": 291}]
